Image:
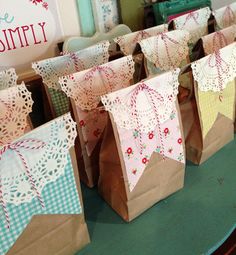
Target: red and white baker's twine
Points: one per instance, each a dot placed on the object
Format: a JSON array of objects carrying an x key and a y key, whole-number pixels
[
  {"x": 228, "y": 16},
  {"x": 153, "y": 95},
  {"x": 166, "y": 38},
  {"x": 78, "y": 64},
  {"x": 217, "y": 45},
  {"x": 27, "y": 144},
  {"x": 90, "y": 75},
  {"x": 191, "y": 16},
  {"x": 140, "y": 36}
]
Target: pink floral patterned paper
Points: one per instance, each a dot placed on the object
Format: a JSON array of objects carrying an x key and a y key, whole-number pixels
[
  {"x": 86, "y": 89},
  {"x": 147, "y": 121}
]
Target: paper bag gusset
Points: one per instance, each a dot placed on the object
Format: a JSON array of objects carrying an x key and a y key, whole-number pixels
[
  {"x": 8, "y": 78},
  {"x": 15, "y": 104},
  {"x": 85, "y": 90},
  {"x": 215, "y": 88},
  {"x": 52, "y": 69},
  {"x": 195, "y": 22},
  {"x": 225, "y": 16},
  {"x": 37, "y": 178},
  {"x": 129, "y": 42}
]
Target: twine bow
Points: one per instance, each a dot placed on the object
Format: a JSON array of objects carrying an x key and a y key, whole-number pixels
[
  {"x": 192, "y": 16},
  {"x": 140, "y": 36},
  {"x": 153, "y": 96},
  {"x": 165, "y": 39},
  {"x": 78, "y": 64},
  {"x": 27, "y": 144}
]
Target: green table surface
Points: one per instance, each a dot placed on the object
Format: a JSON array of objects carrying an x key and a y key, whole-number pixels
[{"x": 190, "y": 222}]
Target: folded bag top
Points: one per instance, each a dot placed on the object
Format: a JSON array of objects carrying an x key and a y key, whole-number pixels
[
  {"x": 167, "y": 50},
  {"x": 53, "y": 68},
  {"x": 8, "y": 78},
  {"x": 215, "y": 75},
  {"x": 225, "y": 16},
  {"x": 128, "y": 42},
  {"x": 15, "y": 104},
  {"x": 196, "y": 22},
  {"x": 219, "y": 39},
  {"x": 37, "y": 178},
  {"x": 147, "y": 122}
]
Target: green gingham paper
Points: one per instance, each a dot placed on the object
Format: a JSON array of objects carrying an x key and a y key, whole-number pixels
[
  {"x": 60, "y": 196},
  {"x": 60, "y": 102}
]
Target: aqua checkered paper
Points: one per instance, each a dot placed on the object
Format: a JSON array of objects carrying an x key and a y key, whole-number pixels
[
  {"x": 60, "y": 197},
  {"x": 60, "y": 102}
]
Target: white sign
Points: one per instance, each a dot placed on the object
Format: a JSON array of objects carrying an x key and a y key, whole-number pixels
[{"x": 29, "y": 31}]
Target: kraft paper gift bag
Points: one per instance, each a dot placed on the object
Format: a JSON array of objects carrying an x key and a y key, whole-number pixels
[
  {"x": 166, "y": 51},
  {"x": 208, "y": 105},
  {"x": 218, "y": 40},
  {"x": 142, "y": 157},
  {"x": 85, "y": 89},
  {"x": 196, "y": 23},
  {"x": 53, "y": 68},
  {"x": 208, "y": 44},
  {"x": 41, "y": 207},
  {"x": 15, "y": 106},
  {"x": 105, "y": 14},
  {"x": 8, "y": 78},
  {"x": 128, "y": 45},
  {"x": 225, "y": 16}
]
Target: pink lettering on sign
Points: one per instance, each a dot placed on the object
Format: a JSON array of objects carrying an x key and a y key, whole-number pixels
[{"x": 22, "y": 36}]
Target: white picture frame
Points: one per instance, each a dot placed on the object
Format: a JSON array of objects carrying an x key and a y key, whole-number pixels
[{"x": 64, "y": 19}]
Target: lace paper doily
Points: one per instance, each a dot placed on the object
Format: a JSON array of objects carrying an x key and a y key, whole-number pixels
[
  {"x": 44, "y": 152},
  {"x": 53, "y": 68},
  {"x": 215, "y": 41},
  {"x": 166, "y": 50},
  {"x": 15, "y": 104},
  {"x": 215, "y": 71},
  {"x": 128, "y": 42},
  {"x": 195, "y": 22},
  {"x": 8, "y": 78},
  {"x": 226, "y": 16},
  {"x": 137, "y": 107},
  {"x": 87, "y": 87}
]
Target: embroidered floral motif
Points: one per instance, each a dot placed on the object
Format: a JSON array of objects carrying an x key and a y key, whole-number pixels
[
  {"x": 37, "y": 2},
  {"x": 106, "y": 14}
]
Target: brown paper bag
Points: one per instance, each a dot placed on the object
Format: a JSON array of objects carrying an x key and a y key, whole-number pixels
[
  {"x": 206, "y": 106},
  {"x": 130, "y": 188},
  {"x": 48, "y": 232},
  {"x": 84, "y": 90}
]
